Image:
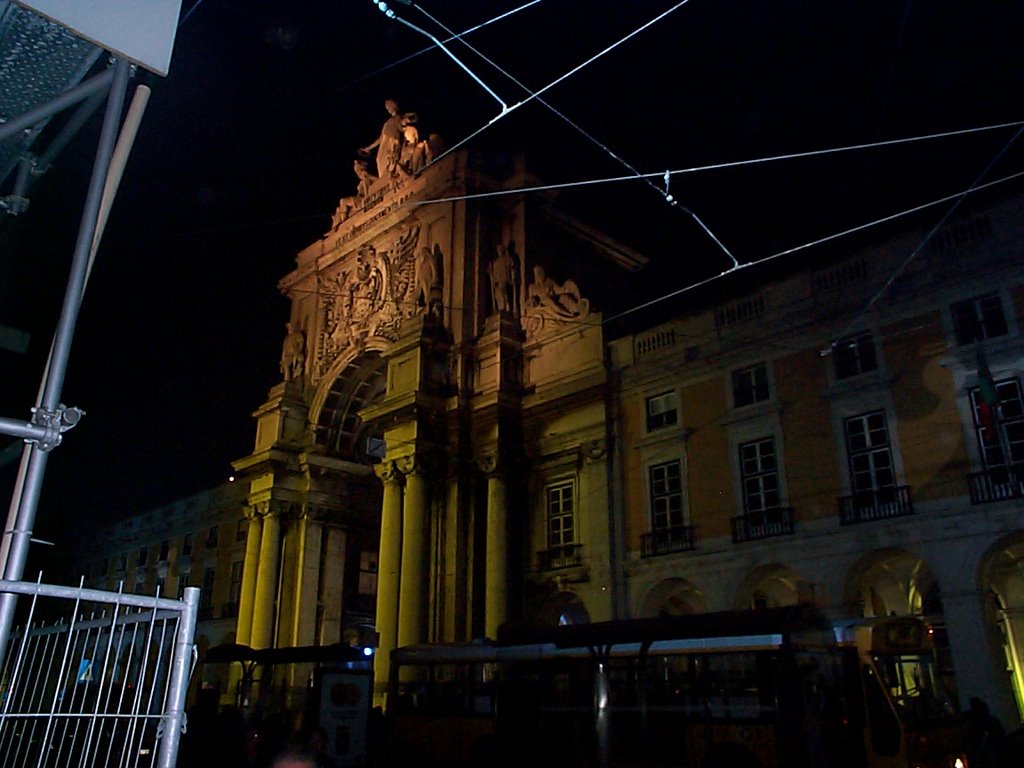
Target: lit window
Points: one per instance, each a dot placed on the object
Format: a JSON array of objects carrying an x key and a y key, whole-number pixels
[
  {"x": 750, "y": 385},
  {"x": 759, "y": 474},
  {"x": 661, "y": 411},
  {"x": 666, "y": 495},
  {"x": 560, "y": 515},
  {"x": 854, "y": 355},
  {"x": 978, "y": 319}
]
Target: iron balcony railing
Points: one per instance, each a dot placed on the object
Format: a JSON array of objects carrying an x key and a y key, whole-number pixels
[
  {"x": 662, "y": 541},
  {"x": 763, "y": 524},
  {"x": 867, "y": 506},
  {"x": 562, "y": 556},
  {"x": 996, "y": 484}
]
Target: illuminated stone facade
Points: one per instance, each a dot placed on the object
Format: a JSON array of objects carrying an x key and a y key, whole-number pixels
[{"x": 444, "y": 394}]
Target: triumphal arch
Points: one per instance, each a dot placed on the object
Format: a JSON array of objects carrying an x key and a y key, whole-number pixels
[{"x": 437, "y": 449}]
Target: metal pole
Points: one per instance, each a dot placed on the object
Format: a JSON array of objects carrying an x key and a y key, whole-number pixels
[
  {"x": 71, "y": 96},
  {"x": 177, "y": 688},
  {"x": 23, "y": 508}
]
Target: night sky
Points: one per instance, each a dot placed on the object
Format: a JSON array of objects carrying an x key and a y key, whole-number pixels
[{"x": 247, "y": 146}]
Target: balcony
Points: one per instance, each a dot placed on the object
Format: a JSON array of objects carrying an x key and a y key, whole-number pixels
[
  {"x": 996, "y": 484},
  {"x": 564, "y": 556},
  {"x": 867, "y": 506},
  {"x": 663, "y": 541},
  {"x": 763, "y": 525}
]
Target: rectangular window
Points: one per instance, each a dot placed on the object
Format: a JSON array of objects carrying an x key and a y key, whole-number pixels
[
  {"x": 241, "y": 529},
  {"x": 870, "y": 455},
  {"x": 661, "y": 411},
  {"x": 122, "y": 561},
  {"x": 560, "y": 515},
  {"x": 367, "y": 573},
  {"x": 235, "y": 588},
  {"x": 206, "y": 600},
  {"x": 750, "y": 385},
  {"x": 165, "y": 550},
  {"x": 854, "y": 355},
  {"x": 143, "y": 556},
  {"x": 211, "y": 537},
  {"x": 666, "y": 495},
  {"x": 978, "y": 319},
  {"x": 183, "y": 579},
  {"x": 759, "y": 475},
  {"x": 1004, "y": 432},
  {"x": 186, "y": 544}
]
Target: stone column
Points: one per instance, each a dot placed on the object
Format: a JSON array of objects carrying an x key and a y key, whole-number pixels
[
  {"x": 496, "y": 564},
  {"x": 264, "y": 610},
  {"x": 247, "y": 598},
  {"x": 388, "y": 569},
  {"x": 975, "y": 652},
  {"x": 415, "y": 584}
]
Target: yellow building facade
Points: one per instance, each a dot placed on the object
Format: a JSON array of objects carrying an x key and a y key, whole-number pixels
[{"x": 823, "y": 439}]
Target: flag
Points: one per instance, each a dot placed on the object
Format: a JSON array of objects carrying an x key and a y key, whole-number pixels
[{"x": 988, "y": 399}]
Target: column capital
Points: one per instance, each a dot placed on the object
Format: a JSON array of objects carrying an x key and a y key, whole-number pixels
[
  {"x": 417, "y": 464},
  {"x": 489, "y": 462},
  {"x": 389, "y": 472}
]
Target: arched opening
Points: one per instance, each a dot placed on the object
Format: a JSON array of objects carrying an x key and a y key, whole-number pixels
[
  {"x": 339, "y": 431},
  {"x": 894, "y": 582},
  {"x": 672, "y": 597},
  {"x": 773, "y": 586},
  {"x": 1002, "y": 579}
]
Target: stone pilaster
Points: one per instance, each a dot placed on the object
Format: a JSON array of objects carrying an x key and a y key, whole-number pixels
[
  {"x": 265, "y": 606},
  {"x": 496, "y": 565}
]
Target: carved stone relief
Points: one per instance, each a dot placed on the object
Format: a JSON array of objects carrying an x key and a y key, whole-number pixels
[
  {"x": 371, "y": 295},
  {"x": 551, "y": 305}
]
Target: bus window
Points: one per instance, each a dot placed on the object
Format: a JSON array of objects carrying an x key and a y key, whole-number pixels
[
  {"x": 914, "y": 686},
  {"x": 882, "y": 722}
]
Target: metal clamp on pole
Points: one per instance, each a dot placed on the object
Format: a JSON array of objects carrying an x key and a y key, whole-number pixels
[{"x": 54, "y": 423}]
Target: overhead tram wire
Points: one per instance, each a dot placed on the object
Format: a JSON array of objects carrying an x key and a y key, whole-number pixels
[
  {"x": 819, "y": 241},
  {"x": 429, "y": 48},
  {"x": 938, "y": 225},
  {"x": 559, "y": 79},
  {"x": 668, "y": 197},
  {"x": 715, "y": 166}
]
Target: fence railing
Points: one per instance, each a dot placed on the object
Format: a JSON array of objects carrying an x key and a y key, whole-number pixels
[
  {"x": 93, "y": 678},
  {"x": 881, "y": 504},
  {"x": 662, "y": 541}
]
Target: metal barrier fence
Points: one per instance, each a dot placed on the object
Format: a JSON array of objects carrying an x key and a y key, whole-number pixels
[{"x": 93, "y": 678}]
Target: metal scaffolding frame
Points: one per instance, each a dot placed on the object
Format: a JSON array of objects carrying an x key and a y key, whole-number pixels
[{"x": 106, "y": 683}]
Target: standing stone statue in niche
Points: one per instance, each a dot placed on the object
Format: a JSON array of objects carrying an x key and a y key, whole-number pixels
[
  {"x": 428, "y": 280},
  {"x": 293, "y": 354},
  {"x": 504, "y": 274},
  {"x": 389, "y": 143}
]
